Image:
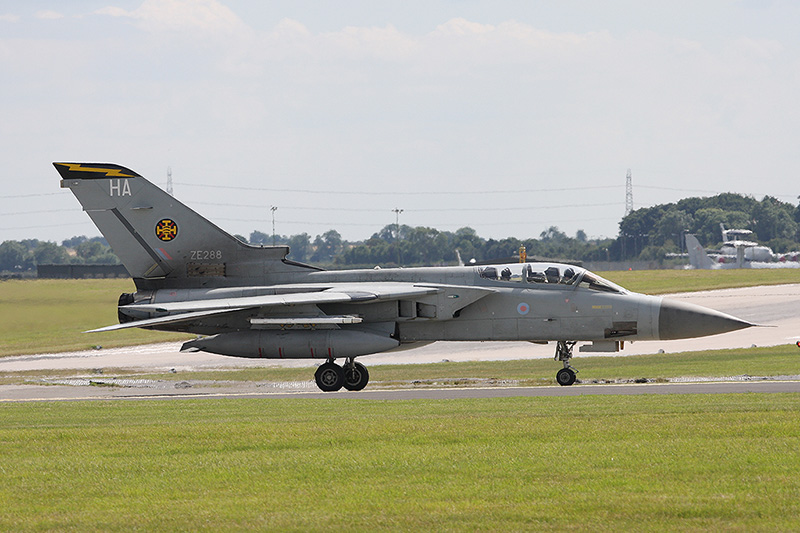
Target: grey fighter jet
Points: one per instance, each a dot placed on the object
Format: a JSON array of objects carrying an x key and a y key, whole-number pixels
[{"x": 251, "y": 301}]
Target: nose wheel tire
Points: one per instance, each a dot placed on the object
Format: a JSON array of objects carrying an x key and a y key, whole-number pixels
[
  {"x": 565, "y": 377},
  {"x": 329, "y": 377},
  {"x": 356, "y": 376}
]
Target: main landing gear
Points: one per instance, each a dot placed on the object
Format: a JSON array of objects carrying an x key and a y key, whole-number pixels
[
  {"x": 565, "y": 376},
  {"x": 331, "y": 377}
]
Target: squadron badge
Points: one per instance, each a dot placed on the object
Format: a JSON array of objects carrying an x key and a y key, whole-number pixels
[{"x": 166, "y": 230}]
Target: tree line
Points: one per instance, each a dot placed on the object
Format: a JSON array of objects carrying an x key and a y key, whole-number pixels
[
  {"x": 406, "y": 246},
  {"x": 650, "y": 233},
  {"x": 23, "y": 256},
  {"x": 645, "y": 234}
]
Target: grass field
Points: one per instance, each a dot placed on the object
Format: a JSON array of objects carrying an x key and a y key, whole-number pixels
[
  {"x": 770, "y": 361},
  {"x": 50, "y": 315},
  {"x": 587, "y": 463},
  {"x": 644, "y": 463},
  {"x": 672, "y": 281}
]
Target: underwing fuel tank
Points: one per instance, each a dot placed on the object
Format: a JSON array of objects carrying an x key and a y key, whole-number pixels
[{"x": 321, "y": 344}]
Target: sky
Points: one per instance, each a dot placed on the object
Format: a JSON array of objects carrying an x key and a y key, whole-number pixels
[{"x": 509, "y": 116}]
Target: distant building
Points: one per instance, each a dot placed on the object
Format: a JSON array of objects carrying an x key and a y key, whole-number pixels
[{"x": 81, "y": 271}]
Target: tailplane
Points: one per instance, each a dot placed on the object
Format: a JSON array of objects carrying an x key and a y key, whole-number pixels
[{"x": 161, "y": 242}]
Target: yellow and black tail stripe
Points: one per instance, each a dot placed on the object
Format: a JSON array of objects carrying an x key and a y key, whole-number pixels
[{"x": 93, "y": 171}]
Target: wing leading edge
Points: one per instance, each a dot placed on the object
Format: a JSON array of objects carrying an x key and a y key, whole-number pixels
[{"x": 187, "y": 311}]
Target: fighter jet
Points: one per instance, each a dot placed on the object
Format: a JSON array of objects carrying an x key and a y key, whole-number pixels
[{"x": 252, "y": 301}]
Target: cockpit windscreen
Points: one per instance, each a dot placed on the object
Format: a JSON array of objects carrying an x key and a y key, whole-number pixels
[
  {"x": 532, "y": 273},
  {"x": 550, "y": 274}
]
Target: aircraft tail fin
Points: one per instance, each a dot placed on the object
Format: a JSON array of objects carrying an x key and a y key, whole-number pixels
[
  {"x": 698, "y": 257},
  {"x": 458, "y": 258},
  {"x": 161, "y": 242}
]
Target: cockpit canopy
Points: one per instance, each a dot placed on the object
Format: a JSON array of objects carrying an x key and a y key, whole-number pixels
[{"x": 544, "y": 273}]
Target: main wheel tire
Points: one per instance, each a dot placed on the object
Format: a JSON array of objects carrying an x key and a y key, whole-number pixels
[
  {"x": 329, "y": 377},
  {"x": 565, "y": 377},
  {"x": 356, "y": 377}
]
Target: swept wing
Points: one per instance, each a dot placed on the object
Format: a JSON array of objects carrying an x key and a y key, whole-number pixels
[{"x": 187, "y": 311}]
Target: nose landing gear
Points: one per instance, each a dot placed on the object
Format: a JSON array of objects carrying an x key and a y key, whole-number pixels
[{"x": 566, "y": 376}]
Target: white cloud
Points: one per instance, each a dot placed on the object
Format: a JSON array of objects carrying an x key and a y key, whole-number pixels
[
  {"x": 453, "y": 43},
  {"x": 385, "y": 43},
  {"x": 463, "y": 103},
  {"x": 9, "y": 18},
  {"x": 289, "y": 27},
  {"x": 113, "y": 11},
  {"x": 49, "y": 15},
  {"x": 462, "y": 27},
  {"x": 758, "y": 49},
  {"x": 180, "y": 15}
]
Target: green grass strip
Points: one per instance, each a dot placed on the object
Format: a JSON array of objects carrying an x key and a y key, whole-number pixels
[
  {"x": 781, "y": 360},
  {"x": 602, "y": 463},
  {"x": 49, "y": 315},
  {"x": 769, "y": 361},
  {"x": 672, "y": 281}
]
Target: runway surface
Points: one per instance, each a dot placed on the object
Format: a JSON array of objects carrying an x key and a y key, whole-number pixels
[
  {"x": 28, "y": 393},
  {"x": 775, "y": 306}
]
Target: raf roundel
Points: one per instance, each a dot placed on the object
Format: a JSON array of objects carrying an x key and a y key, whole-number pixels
[
  {"x": 523, "y": 308},
  {"x": 166, "y": 229}
]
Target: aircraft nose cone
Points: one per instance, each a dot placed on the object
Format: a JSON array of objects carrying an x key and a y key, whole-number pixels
[{"x": 679, "y": 320}]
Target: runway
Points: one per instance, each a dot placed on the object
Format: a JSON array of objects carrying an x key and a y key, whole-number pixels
[
  {"x": 31, "y": 393},
  {"x": 774, "y": 306}
]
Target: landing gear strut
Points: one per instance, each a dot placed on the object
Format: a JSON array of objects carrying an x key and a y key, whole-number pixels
[
  {"x": 356, "y": 376},
  {"x": 331, "y": 377},
  {"x": 565, "y": 376}
]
